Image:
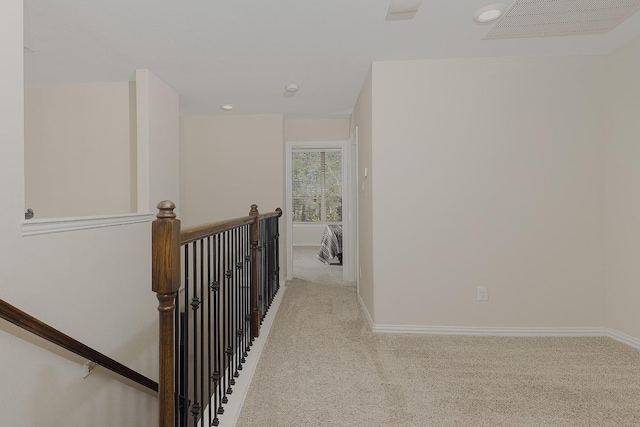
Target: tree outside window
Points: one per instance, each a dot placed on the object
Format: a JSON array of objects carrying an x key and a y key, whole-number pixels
[{"x": 317, "y": 186}]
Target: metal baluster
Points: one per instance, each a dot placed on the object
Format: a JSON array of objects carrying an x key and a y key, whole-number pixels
[
  {"x": 218, "y": 345},
  {"x": 201, "y": 288},
  {"x": 277, "y": 250},
  {"x": 237, "y": 322},
  {"x": 208, "y": 335},
  {"x": 185, "y": 351},
  {"x": 223, "y": 328},
  {"x": 246, "y": 299},
  {"x": 195, "y": 303}
]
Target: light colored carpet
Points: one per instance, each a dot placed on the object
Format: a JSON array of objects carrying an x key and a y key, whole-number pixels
[
  {"x": 322, "y": 366},
  {"x": 307, "y": 267}
]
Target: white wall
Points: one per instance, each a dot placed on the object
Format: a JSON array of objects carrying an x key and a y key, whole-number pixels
[
  {"x": 77, "y": 150},
  {"x": 622, "y": 144},
  {"x": 363, "y": 119},
  {"x": 498, "y": 183},
  {"x": 93, "y": 285},
  {"x": 158, "y": 142}
]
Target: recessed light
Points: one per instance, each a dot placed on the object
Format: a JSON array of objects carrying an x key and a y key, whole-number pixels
[
  {"x": 292, "y": 87},
  {"x": 227, "y": 107},
  {"x": 488, "y": 14}
]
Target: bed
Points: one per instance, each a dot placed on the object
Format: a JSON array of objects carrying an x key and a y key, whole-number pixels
[{"x": 331, "y": 245}]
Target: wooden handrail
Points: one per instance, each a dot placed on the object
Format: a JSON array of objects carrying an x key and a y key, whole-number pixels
[
  {"x": 191, "y": 234},
  {"x": 41, "y": 329},
  {"x": 277, "y": 213}
]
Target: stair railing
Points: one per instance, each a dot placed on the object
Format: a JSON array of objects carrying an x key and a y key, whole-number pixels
[
  {"x": 29, "y": 323},
  {"x": 214, "y": 285}
]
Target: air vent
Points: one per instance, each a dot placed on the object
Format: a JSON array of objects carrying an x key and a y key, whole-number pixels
[{"x": 539, "y": 18}]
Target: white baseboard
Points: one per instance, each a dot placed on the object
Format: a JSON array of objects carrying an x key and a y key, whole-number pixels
[
  {"x": 236, "y": 400},
  {"x": 366, "y": 312},
  {"x": 623, "y": 338},
  {"x": 504, "y": 331},
  {"x": 491, "y": 331}
]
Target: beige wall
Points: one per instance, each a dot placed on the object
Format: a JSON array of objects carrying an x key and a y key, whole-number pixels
[
  {"x": 228, "y": 163},
  {"x": 498, "y": 183},
  {"x": 93, "y": 285},
  {"x": 316, "y": 129},
  {"x": 363, "y": 120},
  {"x": 158, "y": 142},
  {"x": 308, "y": 234},
  {"x": 622, "y": 144},
  {"x": 77, "y": 150}
]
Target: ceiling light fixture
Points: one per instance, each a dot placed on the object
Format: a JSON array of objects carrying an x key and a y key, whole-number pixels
[
  {"x": 291, "y": 87},
  {"x": 488, "y": 14},
  {"x": 227, "y": 107}
]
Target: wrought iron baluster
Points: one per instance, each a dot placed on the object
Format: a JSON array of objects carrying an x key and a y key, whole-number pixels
[
  {"x": 236, "y": 319},
  {"x": 218, "y": 372},
  {"x": 195, "y": 305},
  {"x": 223, "y": 334},
  {"x": 185, "y": 352}
]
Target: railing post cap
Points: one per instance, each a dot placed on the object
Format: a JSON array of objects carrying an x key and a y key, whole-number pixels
[
  {"x": 166, "y": 208},
  {"x": 254, "y": 208}
]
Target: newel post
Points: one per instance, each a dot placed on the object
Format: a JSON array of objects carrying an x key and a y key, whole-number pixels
[
  {"x": 166, "y": 283},
  {"x": 255, "y": 237}
]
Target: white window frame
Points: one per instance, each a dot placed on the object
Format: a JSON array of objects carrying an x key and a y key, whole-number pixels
[{"x": 323, "y": 195}]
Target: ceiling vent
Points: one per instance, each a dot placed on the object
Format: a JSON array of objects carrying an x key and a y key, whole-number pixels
[
  {"x": 402, "y": 10},
  {"x": 538, "y": 18}
]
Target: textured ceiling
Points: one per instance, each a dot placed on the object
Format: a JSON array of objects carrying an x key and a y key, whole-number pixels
[{"x": 244, "y": 52}]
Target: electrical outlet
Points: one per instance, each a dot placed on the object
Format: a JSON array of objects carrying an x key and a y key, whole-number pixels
[{"x": 483, "y": 293}]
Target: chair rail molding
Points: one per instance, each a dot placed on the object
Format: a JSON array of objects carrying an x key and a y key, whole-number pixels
[{"x": 34, "y": 227}]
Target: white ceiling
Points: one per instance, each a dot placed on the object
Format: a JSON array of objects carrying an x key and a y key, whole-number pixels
[{"x": 244, "y": 52}]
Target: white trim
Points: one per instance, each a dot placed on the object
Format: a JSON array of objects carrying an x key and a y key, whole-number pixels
[
  {"x": 623, "y": 338},
  {"x": 34, "y": 227},
  {"x": 366, "y": 312},
  {"x": 493, "y": 331},
  {"x": 347, "y": 224},
  {"x": 504, "y": 331},
  {"x": 233, "y": 408}
]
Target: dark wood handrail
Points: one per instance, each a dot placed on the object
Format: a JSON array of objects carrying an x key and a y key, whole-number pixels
[
  {"x": 276, "y": 213},
  {"x": 191, "y": 234},
  {"x": 41, "y": 329}
]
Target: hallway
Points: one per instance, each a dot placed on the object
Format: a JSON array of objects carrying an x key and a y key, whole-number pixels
[{"x": 322, "y": 365}]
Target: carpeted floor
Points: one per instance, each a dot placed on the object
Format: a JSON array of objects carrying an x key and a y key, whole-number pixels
[
  {"x": 322, "y": 366},
  {"x": 307, "y": 266}
]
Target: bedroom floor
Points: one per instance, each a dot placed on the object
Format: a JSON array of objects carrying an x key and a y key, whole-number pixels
[{"x": 309, "y": 268}]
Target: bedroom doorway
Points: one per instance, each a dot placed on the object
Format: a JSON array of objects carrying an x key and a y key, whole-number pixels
[{"x": 319, "y": 193}]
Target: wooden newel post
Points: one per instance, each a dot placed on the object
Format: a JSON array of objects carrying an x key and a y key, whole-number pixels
[
  {"x": 255, "y": 237},
  {"x": 166, "y": 283}
]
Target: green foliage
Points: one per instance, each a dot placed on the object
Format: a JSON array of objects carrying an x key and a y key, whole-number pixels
[{"x": 317, "y": 185}]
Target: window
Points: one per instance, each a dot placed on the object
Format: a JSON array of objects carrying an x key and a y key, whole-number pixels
[{"x": 317, "y": 186}]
